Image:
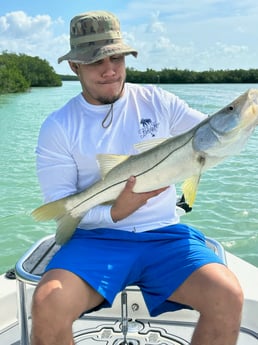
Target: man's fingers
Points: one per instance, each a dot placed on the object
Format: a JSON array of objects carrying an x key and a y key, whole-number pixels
[
  {"x": 156, "y": 192},
  {"x": 146, "y": 195},
  {"x": 130, "y": 183},
  {"x": 128, "y": 201}
]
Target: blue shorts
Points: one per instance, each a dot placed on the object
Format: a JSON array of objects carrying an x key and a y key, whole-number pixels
[{"x": 158, "y": 261}]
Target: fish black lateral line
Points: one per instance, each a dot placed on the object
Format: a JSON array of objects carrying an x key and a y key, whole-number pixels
[{"x": 161, "y": 162}]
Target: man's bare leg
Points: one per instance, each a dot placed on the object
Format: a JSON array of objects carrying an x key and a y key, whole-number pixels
[
  {"x": 59, "y": 299},
  {"x": 215, "y": 292}
]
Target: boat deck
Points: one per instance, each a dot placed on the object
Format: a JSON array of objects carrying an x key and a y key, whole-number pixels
[
  {"x": 107, "y": 326},
  {"x": 141, "y": 332},
  {"x": 104, "y": 327}
]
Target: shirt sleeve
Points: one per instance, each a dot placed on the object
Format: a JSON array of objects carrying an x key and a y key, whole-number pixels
[
  {"x": 57, "y": 172},
  {"x": 56, "y": 168},
  {"x": 181, "y": 116}
]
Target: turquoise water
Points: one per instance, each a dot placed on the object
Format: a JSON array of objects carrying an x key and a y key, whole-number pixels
[{"x": 225, "y": 208}]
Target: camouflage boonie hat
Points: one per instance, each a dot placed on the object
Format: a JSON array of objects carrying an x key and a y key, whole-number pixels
[{"x": 94, "y": 36}]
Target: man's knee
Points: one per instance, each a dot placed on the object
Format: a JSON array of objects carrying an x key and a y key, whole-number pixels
[
  {"x": 211, "y": 288},
  {"x": 62, "y": 293},
  {"x": 47, "y": 306},
  {"x": 232, "y": 299},
  {"x": 50, "y": 324},
  {"x": 225, "y": 300}
]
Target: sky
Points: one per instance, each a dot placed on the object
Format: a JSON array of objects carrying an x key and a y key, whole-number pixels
[{"x": 185, "y": 34}]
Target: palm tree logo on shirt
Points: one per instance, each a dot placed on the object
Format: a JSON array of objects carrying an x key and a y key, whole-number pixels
[{"x": 148, "y": 127}]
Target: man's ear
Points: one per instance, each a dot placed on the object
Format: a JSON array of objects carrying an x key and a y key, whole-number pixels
[{"x": 74, "y": 67}]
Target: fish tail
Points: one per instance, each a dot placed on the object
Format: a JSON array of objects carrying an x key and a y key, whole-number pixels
[
  {"x": 66, "y": 223},
  {"x": 52, "y": 210},
  {"x": 66, "y": 226}
]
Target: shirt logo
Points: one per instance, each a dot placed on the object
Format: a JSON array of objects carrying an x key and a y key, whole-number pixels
[{"x": 148, "y": 127}]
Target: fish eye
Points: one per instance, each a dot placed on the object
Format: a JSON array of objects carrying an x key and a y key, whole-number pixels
[{"x": 231, "y": 107}]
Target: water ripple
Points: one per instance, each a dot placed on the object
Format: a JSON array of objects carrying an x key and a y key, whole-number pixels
[{"x": 226, "y": 206}]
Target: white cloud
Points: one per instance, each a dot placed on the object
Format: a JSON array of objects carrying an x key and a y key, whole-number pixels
[
  {"x": 231, "y": 49},
  {"x": 20, "y": 33},
  {"x": 198, "y": 35},
  {"x": 156, "y": 26},
  {"x": 18, "y": 24},
  {"x": 3, "y": 25}
]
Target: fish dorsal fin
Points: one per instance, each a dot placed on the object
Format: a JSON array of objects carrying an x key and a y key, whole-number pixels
[
  {"x": 148, "y": 144},
  {"x": 189, "y": 189},
  {"x": 108, "y": 162}
]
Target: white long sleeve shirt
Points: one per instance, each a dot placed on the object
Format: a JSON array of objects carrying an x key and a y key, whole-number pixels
[{"x": 71, "y": 137}]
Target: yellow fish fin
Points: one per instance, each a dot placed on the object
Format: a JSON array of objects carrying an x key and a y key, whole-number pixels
[
  {"x": 51, "y": 210},
  {"x": 148, "y": 144},
  {"x": 108, "y": 162},
  {"x": 66, "y": 226},
  {"x": 189, "y": 189}
]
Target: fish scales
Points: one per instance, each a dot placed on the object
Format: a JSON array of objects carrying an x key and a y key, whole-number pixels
[{"x": 172, "y": 160}]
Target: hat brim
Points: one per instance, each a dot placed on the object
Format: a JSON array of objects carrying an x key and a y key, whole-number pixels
[{"x": 92, "y": 53}]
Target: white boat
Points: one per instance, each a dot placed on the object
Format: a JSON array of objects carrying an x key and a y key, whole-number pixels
[{"x": 128, "y": 321}]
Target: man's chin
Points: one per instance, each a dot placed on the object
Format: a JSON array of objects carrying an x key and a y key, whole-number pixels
[
  {"x": 108, "y": 100},
  {"x": 111, "y": 98}
]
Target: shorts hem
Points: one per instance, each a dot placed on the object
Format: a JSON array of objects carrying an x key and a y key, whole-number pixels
[{"x": 165, "y": 305}]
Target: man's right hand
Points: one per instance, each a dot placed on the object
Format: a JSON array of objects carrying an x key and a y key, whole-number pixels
[{"x": 128, "y": 201}]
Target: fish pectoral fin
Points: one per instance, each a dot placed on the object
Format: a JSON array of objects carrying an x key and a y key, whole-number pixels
[
  {"x": 148, "y": 144},
  {"x": 66, "y": 226},
  {"x": 189, "y": 189},
  {"x": 108, "y": 162}
]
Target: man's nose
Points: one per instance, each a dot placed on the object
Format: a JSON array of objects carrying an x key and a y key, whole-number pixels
[{"x": 108, "y": 69}]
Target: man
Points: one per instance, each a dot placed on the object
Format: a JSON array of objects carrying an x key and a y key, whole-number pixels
[{"x": 128, "y": 242}]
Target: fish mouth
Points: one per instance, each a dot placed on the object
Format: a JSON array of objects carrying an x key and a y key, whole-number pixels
[
  {"x": 250, "y": 114},
  {"x": 247, "y": 117},
  {"x": 253, "y": 95}
]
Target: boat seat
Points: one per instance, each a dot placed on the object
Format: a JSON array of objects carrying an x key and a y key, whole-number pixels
[{"x": 31, "y": 266}]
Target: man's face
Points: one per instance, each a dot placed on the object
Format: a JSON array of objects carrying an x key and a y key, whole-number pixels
[{"x": 102, "y": 81}]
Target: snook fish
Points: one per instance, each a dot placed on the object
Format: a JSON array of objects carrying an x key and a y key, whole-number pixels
[{"x": 159, "y": 164}]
